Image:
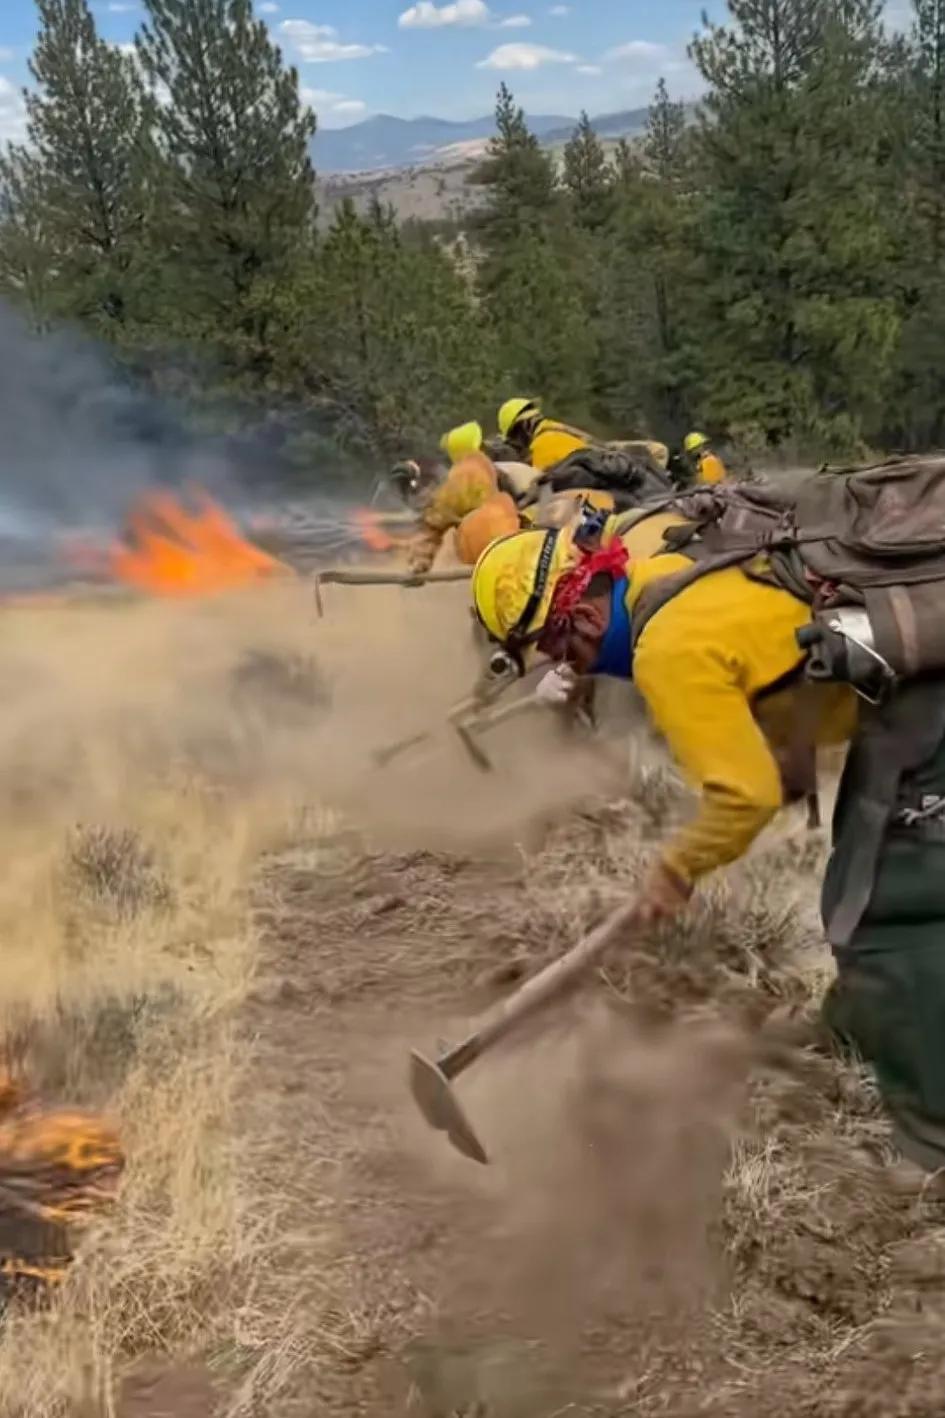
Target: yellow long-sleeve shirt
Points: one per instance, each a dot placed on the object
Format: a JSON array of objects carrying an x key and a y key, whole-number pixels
[
  {"x": 711, "y": 469},
  {"x": 701, "y": 665},
  {"x": 553, "y": 441}
]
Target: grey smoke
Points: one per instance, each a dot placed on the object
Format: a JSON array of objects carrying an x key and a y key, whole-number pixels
[{"x": 79, "y": 442}]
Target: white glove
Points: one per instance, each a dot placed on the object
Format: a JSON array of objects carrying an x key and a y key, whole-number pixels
[{"x": 557, "y": 686}]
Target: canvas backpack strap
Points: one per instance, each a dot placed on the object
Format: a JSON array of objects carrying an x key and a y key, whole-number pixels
[
  {"x": 633, "y": 516},
  {"x": 893, "y": 739},
  {"x": 724, "y": 527}
]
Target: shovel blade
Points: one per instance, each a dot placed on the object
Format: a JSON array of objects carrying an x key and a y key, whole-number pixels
[{"x": 434, "y": 1096}]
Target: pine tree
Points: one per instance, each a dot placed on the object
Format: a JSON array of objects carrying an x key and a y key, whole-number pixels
[
  {"x": 84, "y": 172},
  {"x": 29, "y": 266},
  {"x": 927, "y": 168},
  {"x": 650, "y": 276},
  {"x": 533, "y": 271},
  {"x": 626, "y": 166},
  {"x": 801, "y": 321},
  {"x": 624, "y": 395},
  {"x": 519, "y": 180},
  {"x": 665, "y": 149},
  {"x": 588, "y": 176},
  {"x": 545, "y": 333},
  {"x": 238, "y": 182},
  {"x": 386, "y": 332},
  {"x": 917, "y": 417}
]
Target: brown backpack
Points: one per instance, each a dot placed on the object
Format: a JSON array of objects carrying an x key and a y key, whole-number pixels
[{"x": 871, "y": 537}]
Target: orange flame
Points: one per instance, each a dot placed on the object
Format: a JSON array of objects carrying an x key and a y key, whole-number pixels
[
  {"x": 168, "y": 551},
  {"x": 370, "y": 531},
  {"x": 370, "y": 528},
  {"x": 59, "y": 1168}
]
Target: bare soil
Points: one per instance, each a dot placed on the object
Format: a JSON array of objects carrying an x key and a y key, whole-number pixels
[
  {"x": 155, "y": 1390},
  {"x": 691, "y": 1207}
]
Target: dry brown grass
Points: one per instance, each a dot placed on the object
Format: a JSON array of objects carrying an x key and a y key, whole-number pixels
[
  {"x": 150, "y": 759},
  {"x": 138, "y": 790},
  {"x": 149, "y": 755}
]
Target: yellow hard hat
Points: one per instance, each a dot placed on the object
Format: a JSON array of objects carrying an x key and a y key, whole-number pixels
[
  {"x": 515, "y": 577},
  {"x": 461, "y": 441},
  {"x": 512, "y": 410},
  {"x": 694, "y": 441}
]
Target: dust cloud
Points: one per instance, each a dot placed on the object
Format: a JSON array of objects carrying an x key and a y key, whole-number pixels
[
  {"x": 398, "y": 661},
  {"x": 109, "y": 703},
  {"x": 594, "y": 1232}
]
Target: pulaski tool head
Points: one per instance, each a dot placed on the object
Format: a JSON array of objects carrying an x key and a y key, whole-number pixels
[{"x": 434, "y": 1096}]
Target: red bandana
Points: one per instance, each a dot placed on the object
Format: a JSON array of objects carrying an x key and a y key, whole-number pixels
[{"x": 611, "y": 560}]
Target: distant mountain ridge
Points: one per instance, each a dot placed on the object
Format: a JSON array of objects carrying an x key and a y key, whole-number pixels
[{"x": 386, "y": 142}]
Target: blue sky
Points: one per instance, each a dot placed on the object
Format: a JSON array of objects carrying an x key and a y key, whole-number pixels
[{"x": 441, "y": 57}]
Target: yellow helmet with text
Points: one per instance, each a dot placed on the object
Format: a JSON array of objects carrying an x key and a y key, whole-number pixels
[{"x": 514, "y": 580}]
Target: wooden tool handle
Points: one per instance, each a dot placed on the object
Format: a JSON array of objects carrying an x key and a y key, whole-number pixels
[
  {"x": 539, "y": 990},
  {"x": 391, "y": 578}
]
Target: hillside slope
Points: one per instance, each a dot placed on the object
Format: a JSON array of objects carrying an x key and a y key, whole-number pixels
[{"x": 384, "y": 141}]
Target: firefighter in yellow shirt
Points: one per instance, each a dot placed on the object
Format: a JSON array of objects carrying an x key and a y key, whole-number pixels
[
  {"x": 718, "y": 665},
  {"x": 476, "y": 498},
  {"x": 482, "y": 499},
  {"x": 546, "y": 442},
  {"x": 479, "y": 499},
  {"x": 707, "y": 467},
  {"x": 540, "y": 441}
]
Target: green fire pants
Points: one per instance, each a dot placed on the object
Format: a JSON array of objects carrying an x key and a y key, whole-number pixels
[{"x": 888, "y": 1000}]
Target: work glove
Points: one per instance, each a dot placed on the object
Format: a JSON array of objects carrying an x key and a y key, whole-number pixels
[
  {"x": 663, "y": 896},
  {"x": 557, "y": 686}
]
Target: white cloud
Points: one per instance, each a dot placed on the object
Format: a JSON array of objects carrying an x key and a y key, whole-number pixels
[
  {"x": 6, "y": 55},
  {"x": 515, "y": 22},
  {"x": 640, "y": 49},
  {"x": 269, "y": 7},
  {"x": 426, "y": 15},
  {"x": 326, "y": 102},
  {"x": 560, "y": 10},
  {"x": 12, "y": 112},
  {"x": 509, "y": 57},
  {"x": 589, "y": 69},
  {"x": 319, "y": 44},
  {"x": 118, "y": 7}
]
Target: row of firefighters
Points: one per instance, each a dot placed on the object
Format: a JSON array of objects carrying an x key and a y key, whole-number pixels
[{"x": 483, "y": 489}]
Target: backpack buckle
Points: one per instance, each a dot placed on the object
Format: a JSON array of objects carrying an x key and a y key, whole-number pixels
[{"x": 840, "y": 650}]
